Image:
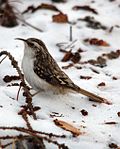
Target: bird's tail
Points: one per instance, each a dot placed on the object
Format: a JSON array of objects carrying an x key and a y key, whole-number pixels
[{"x": 92, "y": 96}]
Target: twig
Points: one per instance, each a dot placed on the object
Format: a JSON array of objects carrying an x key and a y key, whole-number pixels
[
  {"x": 6, "y": 145},
  {"x": 18, "y": 92},
  {"x": 70, "y": 33},
  {"x": 12, "y": 137},
  {"x": 3, "y": 59},
  {"x": 38, "y": 136},
  {"x": 15, "y": 138},
  {"x": 14, "y": 63},
  {"x": 0, "y": 144},
  {"x": 70, "y": 44},
  {"x": 25, "y": 130},
  {"x": 24, "y": 115},
  {"x": 30, "y": 25}
]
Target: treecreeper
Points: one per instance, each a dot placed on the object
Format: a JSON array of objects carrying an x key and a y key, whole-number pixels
[{"x": 43, "y": 73}]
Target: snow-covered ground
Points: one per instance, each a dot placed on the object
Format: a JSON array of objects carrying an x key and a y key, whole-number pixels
[{"x": 96, "y": 134}]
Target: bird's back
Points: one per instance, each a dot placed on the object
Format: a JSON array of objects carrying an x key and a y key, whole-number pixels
[{"x": 47, "y": 69}]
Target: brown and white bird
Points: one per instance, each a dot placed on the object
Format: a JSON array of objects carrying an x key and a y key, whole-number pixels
[{"x": 43, "y": 73}]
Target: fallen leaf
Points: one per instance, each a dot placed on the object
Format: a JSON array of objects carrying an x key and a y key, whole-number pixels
[
  {"x": 85, "y": 7},
  {"x": 55, "y": 114},
  {"x": 68, "y": 55},
  {"x": 114, "y": 78},
  {"x": 101, "y": 84},
  {"x": 13, "y": 84},
  {"x": 97, "y": 42},
  {"x": 78, "y": 67},
  {"x": 48, "y": 6},
  {"x": 80, "y": 50},
  {"x": 30, "y": 8},
  {"x": 95, "y": 71},
  {"x": 118, "y": 114},
  {"x": 73, "y": 107},
  {"x": 76, "y": 57},
  {"x": 84, "y": 112},
  {"x": 100, "y": 62},
  {"x": 59, "y": 1},
  {"x": 113, "y": 55},
  {"x": 112, "y": 27},
  {"x": 8, "y": 78},
  {"x": 8, "y": 17},
  {"x": 92, "y": 62},
  {"x": 85, "y": 77},
  {"x": 62, "y": 50},
  {"x": 92, "y": 23},
  {"x": 41, "y": 6},
  {"x": 75, "y": 131},
  {"x": 94, "y": 105},
  {"x": 68, "y": 66},
  {"x": 60, "y": 18},
  {"x": 36, "y": 108},
  {"x": 113, "y": 145},
  {"x": 111, "y": 123}
]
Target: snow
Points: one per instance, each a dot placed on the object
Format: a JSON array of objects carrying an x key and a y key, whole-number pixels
[{"x": 96, "y": 134}]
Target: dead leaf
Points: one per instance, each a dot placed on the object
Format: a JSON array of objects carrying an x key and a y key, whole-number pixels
[
  {"x": 41, "y": 6},
  {"x": 100, "y": 62},
  {"x": 113, "y": 145},
  {"x": 48, "y": 6},
  {"x": 113, "y": 55},
  {"x": 8, "y": 78},
  {"x": 13, "y": 84},
  {"x": 84, "y": 112},
  {"x": 80, "y": 50},
  {"x": 68, "y": 66},
  {"x": 92, "y": 62},
  {"x": 92, "y": 23},
  {"x": 30, "y": 8},
  {"x": 59, "y": 1},
  {"x": 118, "y": 114},
  {"x": 85, "y": 7},
  {"x": 101, "y": 84},
  {"x": 85, "y": 77},
  {"x": 75, "y": 131},
  {"x": 112, "y": 27},
  {"x": 62, "y": 50},
  {"x": 68, "y": 55},
  {"x": 60, "y": 18},
  {"x": 55, "y": 114},
  {"x": 94, "y": 70},
  {"x": 8, "y": 17},
  {"x": 97, "y": 42},
  {"x": 114, "y": 78},
  {"x": 111, "y": 123},
  {"x": 76, "y": 57}
]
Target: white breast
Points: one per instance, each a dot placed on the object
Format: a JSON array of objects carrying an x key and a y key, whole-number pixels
[{"x": 35, "y": 82}]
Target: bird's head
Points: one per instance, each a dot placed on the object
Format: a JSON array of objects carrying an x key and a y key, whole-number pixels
[{"x": 33, "y": 45}]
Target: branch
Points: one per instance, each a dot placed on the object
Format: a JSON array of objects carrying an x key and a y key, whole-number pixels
[{"x": 14, "y": 63}]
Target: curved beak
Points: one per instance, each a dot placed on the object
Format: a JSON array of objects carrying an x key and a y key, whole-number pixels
[{"x": 21, "y": 39}]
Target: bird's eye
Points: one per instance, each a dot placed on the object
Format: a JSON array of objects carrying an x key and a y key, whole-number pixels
[{"x": 31, "y": 44}]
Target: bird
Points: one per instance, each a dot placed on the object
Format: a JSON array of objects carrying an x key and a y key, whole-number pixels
[{"x": 43, "y": 73}]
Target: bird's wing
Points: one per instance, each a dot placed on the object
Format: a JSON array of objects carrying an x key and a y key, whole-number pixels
[{"x": 51, "y": 73}]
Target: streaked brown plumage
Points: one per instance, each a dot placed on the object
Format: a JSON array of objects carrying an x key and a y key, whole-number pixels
[{"x": 42, "y": 72}]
